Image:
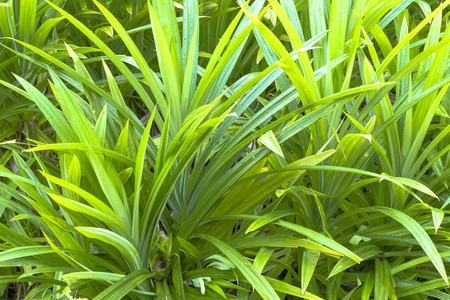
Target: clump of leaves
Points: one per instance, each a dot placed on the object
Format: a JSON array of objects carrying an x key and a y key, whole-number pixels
[{"x": 280, "y": 150}]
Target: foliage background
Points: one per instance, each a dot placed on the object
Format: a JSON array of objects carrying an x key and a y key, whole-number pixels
[{"x": 220, "y": 149}]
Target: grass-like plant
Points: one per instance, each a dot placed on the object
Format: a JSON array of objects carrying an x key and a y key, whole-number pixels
[{"x": 262, "y": 150}]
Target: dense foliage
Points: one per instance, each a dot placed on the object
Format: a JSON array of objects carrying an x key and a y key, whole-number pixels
[{"x": 219, "y": 149}]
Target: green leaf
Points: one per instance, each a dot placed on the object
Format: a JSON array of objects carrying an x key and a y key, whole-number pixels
[
  {"x": 420, "y": 235},
  {"x": 289, "y": 289},
  {"x": 100, "y": 276},
  {"x": 19, "y": 252},
  {"x": 189, "y": 248},
  {"x": 382, "y": 279},
  {"x": 309, "y": 263},
  {"x": 27, "y": 18},
  {"x": 245, "y": 267},
  {"x": 364, "y": 252},
  {"x": 438, "y": 217},
  {"x": 138, "y": 171},
  {"x": 264, "y": 254},
  {"x": 110, "y": 219},
  {"x": 321, "y": 239},
  {"x": 269, "y": 140},
  {"x": 109, "y": 237},
  {"x": 413, "y": 184},
  {"x": 122, "y": 287},
  {"x": 268, "y": 218}
]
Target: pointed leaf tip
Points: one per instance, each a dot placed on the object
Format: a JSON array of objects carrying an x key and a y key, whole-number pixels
[{"x": 270, "y": 141}]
